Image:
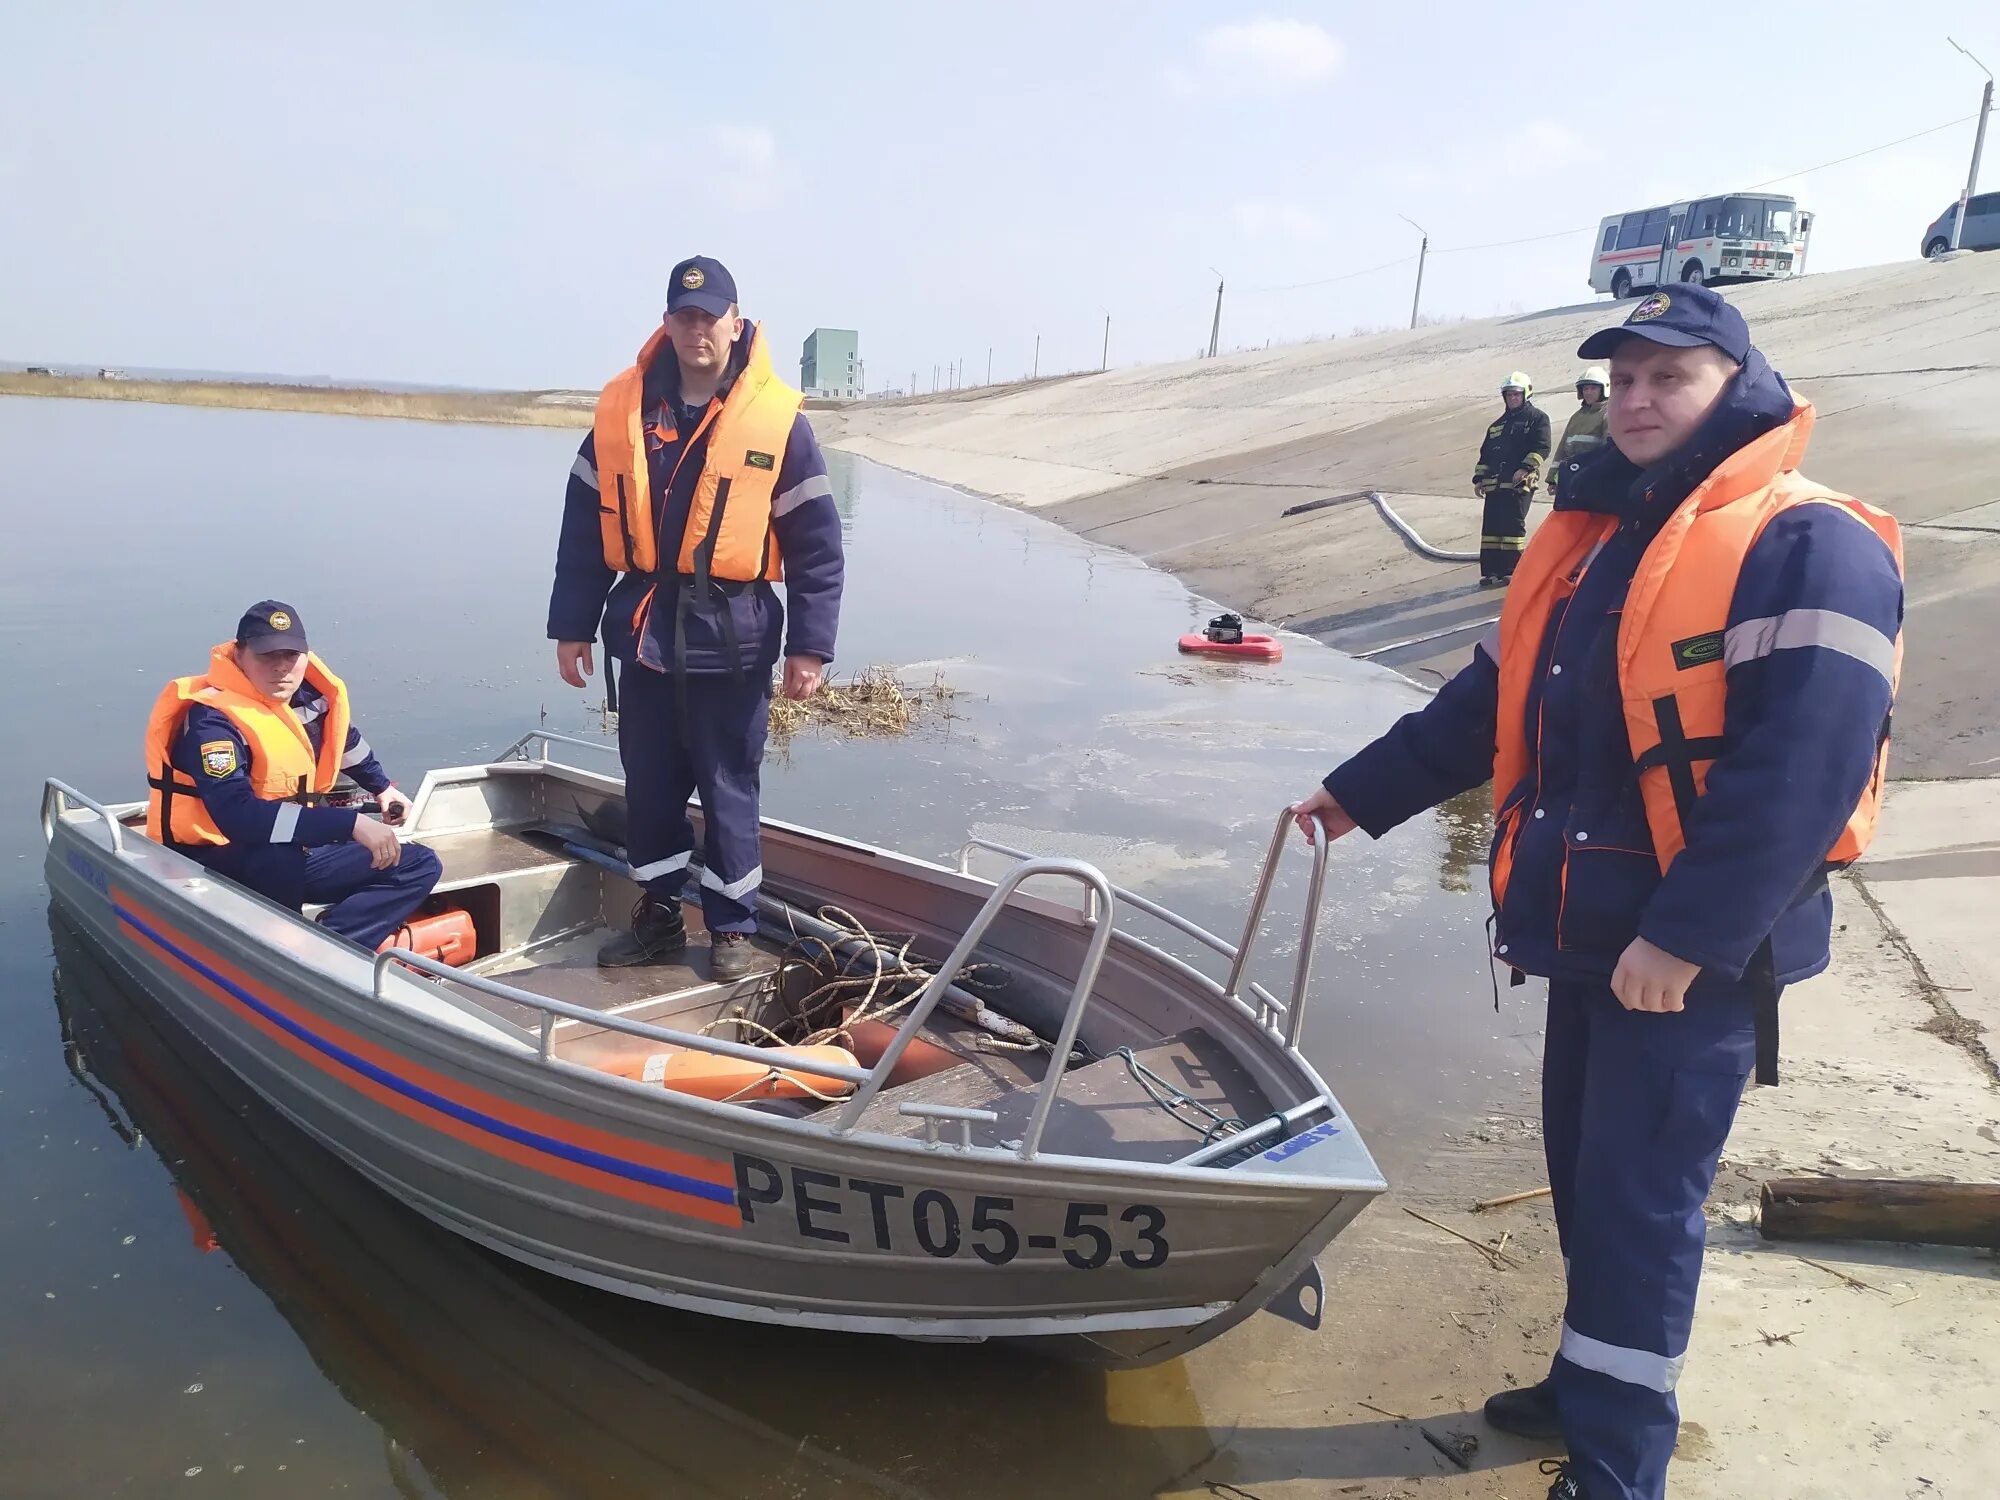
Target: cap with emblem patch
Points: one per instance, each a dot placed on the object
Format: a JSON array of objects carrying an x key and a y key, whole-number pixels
[
  {"x": 1682, "y": 316},
  {"x": 271, "y": 626},
  {"x": 702, "y": 282}
]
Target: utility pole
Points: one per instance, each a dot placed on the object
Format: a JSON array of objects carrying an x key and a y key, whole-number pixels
[
  {"x": 1423, "y": 250},
  {"x": 1037, "y": 370},
  {"x": 989, "y": 364},
  {"x": 1104, "y": 360},
  {"x": 1978, "y": 145},
  {"x": 1215, "y": 328}
]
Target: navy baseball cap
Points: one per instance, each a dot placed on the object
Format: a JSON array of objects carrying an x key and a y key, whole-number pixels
[
  {"x": 1681, "y": 316},
  {"x": 702, "y": 282},
  {"x": 271, "y": 626}
]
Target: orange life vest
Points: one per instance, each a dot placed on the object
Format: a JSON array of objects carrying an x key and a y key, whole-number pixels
[
  {"x": 282, "y": 765},
  {"x": 728, "y": 532},
  {"x": 1672, "y": 667}
]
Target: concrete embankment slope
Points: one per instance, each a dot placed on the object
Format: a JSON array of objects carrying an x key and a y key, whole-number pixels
[{"x": 1192, "y": 466}]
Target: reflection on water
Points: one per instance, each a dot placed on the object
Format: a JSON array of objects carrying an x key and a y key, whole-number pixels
[
  {"x": 334, "y": 1338},
  {"x": 1467, "y": 825},
  {"x": 488, "y": 1379}
]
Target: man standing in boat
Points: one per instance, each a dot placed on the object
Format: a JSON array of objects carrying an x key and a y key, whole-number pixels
[
  {"x": 699, "y": 486},
  {"x": 1684, "y": 712},
  {"x": 239, "y": 761}
]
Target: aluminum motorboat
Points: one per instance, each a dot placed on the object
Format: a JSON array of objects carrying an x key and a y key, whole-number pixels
[{"x": 1022, "y": 1120}]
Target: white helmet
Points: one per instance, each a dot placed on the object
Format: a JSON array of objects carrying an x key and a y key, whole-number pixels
[
  {"x": 1518, "y": 381},
  {"x": 1596, "y": 375}
]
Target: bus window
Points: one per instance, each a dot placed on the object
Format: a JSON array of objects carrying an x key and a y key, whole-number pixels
[
  {"x": 1654, "y": 231},
  {"x": 1702, "y": 218},
  {"x": 1610, "y": 239},
  {"x": 1740, "y": 219},
  {"x": 1757, "y": 219},
  {"x": 1628, "y": 232}
]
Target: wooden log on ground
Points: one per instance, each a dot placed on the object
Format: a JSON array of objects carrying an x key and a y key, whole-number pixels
[{"x": 1876, "y": 1208}]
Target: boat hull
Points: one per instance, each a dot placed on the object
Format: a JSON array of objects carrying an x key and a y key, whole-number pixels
[{"x": 697, "y": 1205}]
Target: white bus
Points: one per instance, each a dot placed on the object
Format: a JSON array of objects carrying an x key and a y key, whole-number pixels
[{"x": 1733, "y": 237}]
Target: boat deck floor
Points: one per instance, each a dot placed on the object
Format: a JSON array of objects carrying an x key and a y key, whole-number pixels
[
  {"x": 567, "y": 970},
  {"x": 1103, "y": 1108},
  {"x": 566, "y": 967}
]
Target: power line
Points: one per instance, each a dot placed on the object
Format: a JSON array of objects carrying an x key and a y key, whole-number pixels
[{"x": 1841, "y": 161}]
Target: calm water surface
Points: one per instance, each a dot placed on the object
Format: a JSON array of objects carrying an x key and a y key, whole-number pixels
[{"x": 196, "y": 1300}]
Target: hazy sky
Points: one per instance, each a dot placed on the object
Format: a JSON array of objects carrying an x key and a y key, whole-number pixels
[{"x": 492, "y": 193}]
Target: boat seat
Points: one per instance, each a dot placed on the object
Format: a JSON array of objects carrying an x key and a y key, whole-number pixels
[
  {"x": 1103, "y": 1108},
  {"x": 483, "y": 854}
]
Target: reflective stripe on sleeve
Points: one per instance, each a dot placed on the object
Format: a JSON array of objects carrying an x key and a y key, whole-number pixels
[
  {"x": 1490, "y": 643},
  {"x": 817, "y": 487},
  {"x": 356, "y": 753},
  {"x": 1656, "y": 1372},
  {"x": 585, "y": 470},
  {"x": 1799, "y": 628},
  {"x": 285, "y": 826}
]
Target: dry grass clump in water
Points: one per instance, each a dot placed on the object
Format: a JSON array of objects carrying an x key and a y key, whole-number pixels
[{"x": 874, "y": 701}]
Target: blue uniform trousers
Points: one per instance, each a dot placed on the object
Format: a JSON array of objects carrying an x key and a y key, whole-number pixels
[
  {"x": 1635, "y": 1108},
  {"x": 719, "y": 752},
  {"x": 365, "y": 905}
]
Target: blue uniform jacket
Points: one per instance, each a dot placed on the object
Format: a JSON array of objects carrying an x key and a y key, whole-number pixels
[
  {"x": 804, "y": 521},
  {"x": 1801, "y": 727},
  {"x": 246, "y": 818}
]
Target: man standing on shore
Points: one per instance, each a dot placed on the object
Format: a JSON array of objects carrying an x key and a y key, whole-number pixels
[
  {"x": 1510, "y": 466},
  {"x": 1684, "y": 712},
  {"x": 698, "y": 487},
  {"x": 1586, "y": 432}
]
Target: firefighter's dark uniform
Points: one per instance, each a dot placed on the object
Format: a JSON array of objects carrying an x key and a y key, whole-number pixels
[{"x": 1518, "y": 440}]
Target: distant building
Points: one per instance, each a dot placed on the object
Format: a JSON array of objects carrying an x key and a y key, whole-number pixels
[{"x": 831, "y": 364}]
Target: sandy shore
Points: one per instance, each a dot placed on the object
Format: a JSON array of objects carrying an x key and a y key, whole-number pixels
[{"x": 518, "y": 408}]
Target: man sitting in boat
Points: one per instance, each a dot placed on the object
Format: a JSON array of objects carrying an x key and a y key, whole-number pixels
[{"x": 239, "y": 762}]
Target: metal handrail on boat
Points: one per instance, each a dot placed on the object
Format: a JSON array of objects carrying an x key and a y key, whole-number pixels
[
  {"x": 550, "y": 1008},
  {"x": 56, "y": 795},
  {"x": 1295, "y": 1012},
  {"x": 1269, "y": 1003},
  {"x": 1092, "y": 879},
  {"x": 550, "y": 737},
  {"x": 1238, "y": 954}
]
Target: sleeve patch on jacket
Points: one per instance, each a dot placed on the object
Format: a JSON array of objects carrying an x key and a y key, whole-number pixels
[{"x": 218, "y": 758}]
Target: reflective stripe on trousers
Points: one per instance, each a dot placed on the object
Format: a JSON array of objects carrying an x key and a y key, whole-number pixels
[{"x": 718, "y": 752}]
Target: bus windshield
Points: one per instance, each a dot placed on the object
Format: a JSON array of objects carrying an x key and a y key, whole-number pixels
[{"x": 1756, "y": 219}]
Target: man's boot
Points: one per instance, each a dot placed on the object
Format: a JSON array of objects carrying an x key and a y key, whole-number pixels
[
  {"x": 658, "y": 933},
  {"x": 1529, "y": 1412},
  {"x": 730, "y": 955},
  {"x": 1565, "y": 1487}
]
